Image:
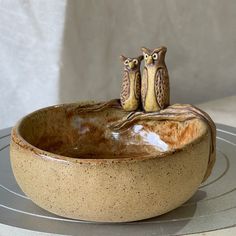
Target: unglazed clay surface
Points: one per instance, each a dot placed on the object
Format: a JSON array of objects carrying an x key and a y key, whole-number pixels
[{"x": 95, "y": 161}]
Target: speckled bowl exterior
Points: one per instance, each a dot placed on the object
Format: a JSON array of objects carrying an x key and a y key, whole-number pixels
[{"x": 109, "y": 188}]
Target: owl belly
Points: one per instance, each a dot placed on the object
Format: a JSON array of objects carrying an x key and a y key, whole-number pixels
[
  {"x": 151, "y": 104},
  {"x": 131, "y": 103}
]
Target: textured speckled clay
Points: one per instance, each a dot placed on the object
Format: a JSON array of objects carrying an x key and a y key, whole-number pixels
[{"x": 97, "y": 162}]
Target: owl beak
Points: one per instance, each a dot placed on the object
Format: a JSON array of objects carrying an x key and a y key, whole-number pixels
[
  {"x": 149, "y": 60},
  {"x": 131, "y": 65}
]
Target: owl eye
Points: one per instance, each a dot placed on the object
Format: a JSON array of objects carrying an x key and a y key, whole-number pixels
[
  {"x": 135, "y": 61},
  {"x": 145, "y": 55},
  {"x": 155, "y": 56},
  {"x": 126, "y": 62}
]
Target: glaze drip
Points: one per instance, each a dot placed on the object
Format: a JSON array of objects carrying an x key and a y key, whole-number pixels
[{"x": 176, "y": 112}]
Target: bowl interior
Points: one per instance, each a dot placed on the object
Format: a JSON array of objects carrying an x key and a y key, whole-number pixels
[{"x": 68, "y": 131}]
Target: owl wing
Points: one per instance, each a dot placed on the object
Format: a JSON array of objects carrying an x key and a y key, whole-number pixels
[
  {"x": 162, "y": 88},
  {"x": 144, "y": 85},
  {"x": 137, "y": 88},
  {"x": 125, "y": 88}
]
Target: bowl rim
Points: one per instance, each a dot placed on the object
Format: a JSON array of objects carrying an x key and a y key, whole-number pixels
[{"x": 17, "y": 138}]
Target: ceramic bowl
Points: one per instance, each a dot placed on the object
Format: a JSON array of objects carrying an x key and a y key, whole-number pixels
[{"x": 69, "y": 161}]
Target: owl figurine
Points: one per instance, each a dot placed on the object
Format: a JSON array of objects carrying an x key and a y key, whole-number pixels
[
  {"x": 130, "y": 96},
  {"x": 155, "y": 80}
]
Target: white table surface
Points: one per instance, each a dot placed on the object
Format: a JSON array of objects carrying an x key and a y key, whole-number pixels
[{"x": 222, "y": 111}]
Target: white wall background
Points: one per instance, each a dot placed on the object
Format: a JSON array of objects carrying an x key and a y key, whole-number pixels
[
  {"x": 30, "y": 41},
  {"x": 60, "y": 51}
]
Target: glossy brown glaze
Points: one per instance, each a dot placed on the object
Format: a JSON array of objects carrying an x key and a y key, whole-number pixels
[
  {"x": 95, "y": 161},
  {"x": 176, "y": 113},
  {"x": 105, "y": 131}
]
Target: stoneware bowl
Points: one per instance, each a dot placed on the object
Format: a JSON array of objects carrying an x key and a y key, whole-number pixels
[{"x": 70, "y": 161}]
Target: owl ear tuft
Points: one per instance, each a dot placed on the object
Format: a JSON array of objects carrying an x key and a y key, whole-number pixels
[
  {"x": 160, "y": 49},
  {"x": 163, "y": 48},
  {"x": 122, "y": 58},
  {"x": 146, "y": 50}
]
